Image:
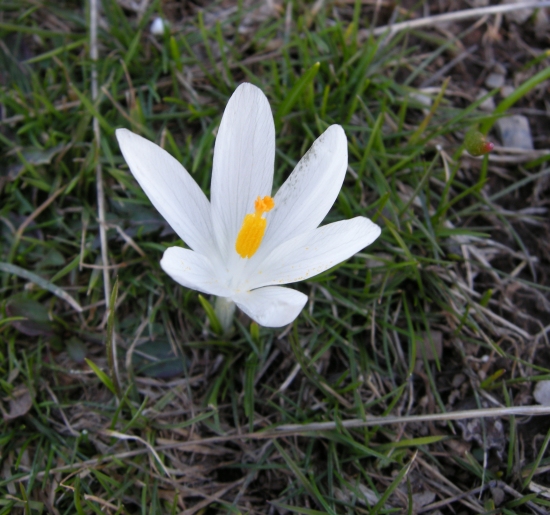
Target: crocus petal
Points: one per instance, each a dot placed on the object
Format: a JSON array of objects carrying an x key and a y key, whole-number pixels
[
  {"x": 170, "y": 188},
  {"x": 193, "y": 270},
  {"x": 310, "y": 254},
  {"x": 307, "y": 195},
  {"x": 244, "y": 157},
  {"x": 273, "y": 306}
]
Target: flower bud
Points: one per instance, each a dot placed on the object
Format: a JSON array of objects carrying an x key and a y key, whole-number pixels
[{"x": 476, "y": 143}]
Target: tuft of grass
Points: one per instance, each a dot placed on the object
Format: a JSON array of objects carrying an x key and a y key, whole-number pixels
[{"x": 446, "y": 313}]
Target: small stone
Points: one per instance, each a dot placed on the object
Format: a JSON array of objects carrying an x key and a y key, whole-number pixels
[
  {"x": 514, "y": 132},
  {"x": 494, "y": 81},
  {"x": 542, "y": 25},
  {"x": 458, "y": 379},
  {"x": 507, "y": 90},
  {"x": 158, "y": 26},
  {"x": 498, "y": 495},
  {"x": 20, "y": 403},
  {"x": 422, "y": 499},
  {"x": 541, "y": 393},
  {"x": 518, "y": 16},
  {"x": 488, "y": 104}
]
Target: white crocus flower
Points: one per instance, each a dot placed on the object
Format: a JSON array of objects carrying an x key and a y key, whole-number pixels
[{"x": 244, "y": 244}]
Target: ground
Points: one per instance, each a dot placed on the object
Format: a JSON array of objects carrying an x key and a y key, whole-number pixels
[{"x": 448, "y": 311}]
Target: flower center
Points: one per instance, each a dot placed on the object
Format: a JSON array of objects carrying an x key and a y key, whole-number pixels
[{"x": 253, "y": 228}]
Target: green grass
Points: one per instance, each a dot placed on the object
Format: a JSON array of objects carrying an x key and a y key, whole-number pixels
[{"x": 447, "y": 310}]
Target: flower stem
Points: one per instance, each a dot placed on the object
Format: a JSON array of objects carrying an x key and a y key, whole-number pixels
[{"x": 225, "y": 309}]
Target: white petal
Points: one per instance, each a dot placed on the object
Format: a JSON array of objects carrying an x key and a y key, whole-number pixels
[
  {"x": 244, "y": 158},
  {"x": 309, "y": 192},
  {"x": 170, "y": 188},
  {"x": 193, "y": 270},
  {"x": 273, "y": 306},
  {"x": 310, "y": 254}
]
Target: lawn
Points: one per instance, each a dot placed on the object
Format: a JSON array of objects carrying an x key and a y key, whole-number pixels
[{"x": 415, "y": 380}]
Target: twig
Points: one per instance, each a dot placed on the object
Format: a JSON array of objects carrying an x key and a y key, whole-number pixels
[
  {"x": 94, "y": 7},
  {"x": 94, "y": 10},
  {"x": 302, "y": 429},
  {"x": 383, "y": 421},
  {"x": 390, "y": 30}
]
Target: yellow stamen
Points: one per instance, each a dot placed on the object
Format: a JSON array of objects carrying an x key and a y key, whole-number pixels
[{"x": 253, "y": 228}]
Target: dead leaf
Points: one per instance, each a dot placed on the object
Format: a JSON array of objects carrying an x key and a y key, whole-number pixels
[
  {"x": 20, "y": 403},
  {"x": 430, "y": 344},
  {"x": 542, "y": 393}
]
